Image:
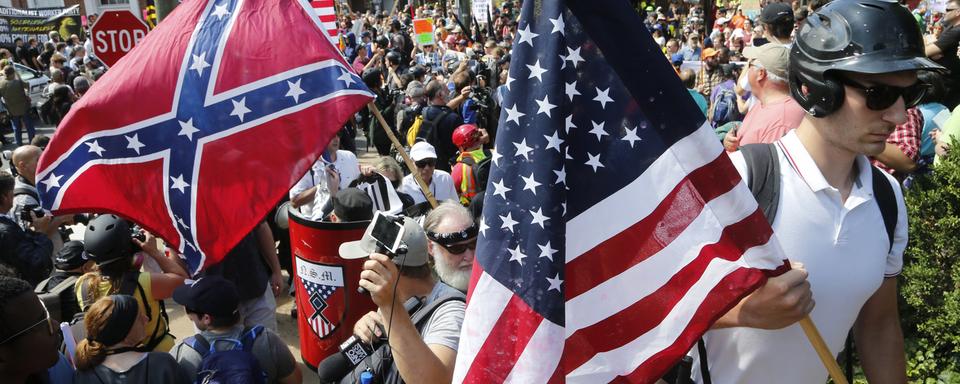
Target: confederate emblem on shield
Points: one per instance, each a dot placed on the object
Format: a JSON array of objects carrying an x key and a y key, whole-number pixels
[{"x": 321, "y": 296}]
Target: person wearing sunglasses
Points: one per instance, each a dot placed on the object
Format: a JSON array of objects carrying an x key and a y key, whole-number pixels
[
  {"x": 853, "y": 69},
  {"x": 452, "y": 232},
  {"x": 28, "y": 339},
  {"x": 440, "y": 182},
  {"x": 944, "y": 50}
]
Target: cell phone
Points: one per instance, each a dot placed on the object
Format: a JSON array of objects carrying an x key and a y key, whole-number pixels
[{"x": 387, "y": 231}]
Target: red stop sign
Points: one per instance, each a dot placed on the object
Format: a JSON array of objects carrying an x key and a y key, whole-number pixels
[{"x": 114, "y": 34}]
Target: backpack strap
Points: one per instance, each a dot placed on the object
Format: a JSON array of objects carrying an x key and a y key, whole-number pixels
[
  {"x": 249, "y": 336},
  {"x": 26, "y": 191},
  {"x": 763, "y": 176},
  {"x": 63, "y": 286},
  {"x": 886, "y": 201},
  {"x": 199, "y": 344},
  {"x": 420, "y": 317},
  {"x": 42, "y": 286},
  {"x": 131, "y": 282}
]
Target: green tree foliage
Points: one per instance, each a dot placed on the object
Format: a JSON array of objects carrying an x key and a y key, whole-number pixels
[{"x": 930, "y": 282}]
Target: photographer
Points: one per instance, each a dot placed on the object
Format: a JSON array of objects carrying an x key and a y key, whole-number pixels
[
  {"x": 26, "y": 198},
  {"x": 111, "y": 244},
  {"x": 27, "y": 252},
  {"x": 386, "y": 103},
  {"x": 404, "y": 289}
]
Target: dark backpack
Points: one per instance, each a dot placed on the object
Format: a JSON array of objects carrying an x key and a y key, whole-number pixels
[
  {"x": 53, "y": 298},
  {"x": 428, "y": 128},
  {"x": 237, "y": 365},
  {"x": 380, "y": 362},
  {"x": 725, "y": 109}
]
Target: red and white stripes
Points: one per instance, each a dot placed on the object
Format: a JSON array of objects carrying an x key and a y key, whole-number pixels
[{"x": 327, "y": 13}]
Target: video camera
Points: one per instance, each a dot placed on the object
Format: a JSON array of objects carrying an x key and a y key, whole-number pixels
[{"x": 37, "y": 211}]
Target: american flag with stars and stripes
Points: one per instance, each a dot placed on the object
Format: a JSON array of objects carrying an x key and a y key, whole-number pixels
[
  {"x": 320, "y": 296},
  {"x": 615, "y": 230},
  {"x": 327, "y": 12}
]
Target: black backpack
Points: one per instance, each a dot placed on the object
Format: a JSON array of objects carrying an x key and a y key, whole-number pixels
[
  {"x": 428, "y": 129},
  {"x": 237, "y": 365}
]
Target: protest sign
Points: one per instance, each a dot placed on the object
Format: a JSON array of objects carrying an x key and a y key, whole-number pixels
[
  {"x": 36, "y": 23},
  {"x": 481, "y": 10},
  {"x": 423, "y": 30}
]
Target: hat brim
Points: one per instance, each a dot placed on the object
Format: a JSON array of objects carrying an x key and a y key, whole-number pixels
[
  {"x": 353, "y": 250},
  {"x": 181, "y": 295}
]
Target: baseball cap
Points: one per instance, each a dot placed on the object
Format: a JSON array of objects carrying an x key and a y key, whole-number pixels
[
  {"x": 676, "y": 58},
  {"x": 413, "y": 238},
  {"x": 422, "y": 150},
  {"x": 709, "y": 52},
  {"x": 71, "y": 256},
  {"x": 775, "y": 58},
  {"x": 211, "y": 294},
  {"x": 776, "y": 13},
  {"x": 352, "y": 204}
]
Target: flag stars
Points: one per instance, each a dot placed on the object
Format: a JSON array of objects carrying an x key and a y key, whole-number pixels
[
  {"x": 240, "y": 108},
  {"x": 523, "y": 149},
  {"x": 598, "y": 130},
  {"x": 526, "y": 36},
  {"x": 546, "y": 251},
  {"x": 594, "y": 161},
  {"x": 514, "y": 114},
  {"x": 562, "y": 175},
  {"x": 539, "y": 218},
  {"x": 508, "y": 222},
  {"x": 179, "y": 184},
  {"x": 133, "y": 142},
  {"x": 517, "y": 255},
  {"x": 294, "y": 90},
  {"x": 603, "y": 97},
  {"x": 483, "y": 228},
  {"x": 501, "y": 189},
  {"x": 346, "y": 78},
  {"x": 558, "y": 25},
  {"x": 219, "y": 11},
  {"x": 53, "y": 181},
  {"x": 569, "y": 124},
  {"x": 631, "y": 136},
  {"x": 529, "y": 184},
  {"x": 571, "y": 90},
  {"x": 496, "y": 156},
  {"x": 509, "y": 80},
  {"x": 187, "y": 129},
  {"x": 573, "y": 56},
  {"x": 95, "y": 148},
  {"x": 199, "y": 63},
  {"x": 553, "y": 141},
  {"x": 544, "y": 106},
  {"x": 536, "y": 71},
  {"x": 555, "y": 283}
]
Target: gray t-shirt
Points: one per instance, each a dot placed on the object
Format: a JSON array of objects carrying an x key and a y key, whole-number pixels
[
  {"x": 153, "y": 368},
  {"x": 274, "y": 357},
  {"x": 443, "y": 327}
]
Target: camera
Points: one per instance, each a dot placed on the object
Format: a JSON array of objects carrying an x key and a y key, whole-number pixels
[
  {"x": 388, "y": 233},
  {"x": 37, "y": 211},
  {"x": 137, "y": 233}
]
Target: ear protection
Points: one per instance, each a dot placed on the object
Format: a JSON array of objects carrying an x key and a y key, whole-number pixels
[{"x": 822, "y": 98}]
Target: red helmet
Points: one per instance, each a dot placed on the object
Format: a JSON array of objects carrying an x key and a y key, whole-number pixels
[{"x": 466, "y": 136}]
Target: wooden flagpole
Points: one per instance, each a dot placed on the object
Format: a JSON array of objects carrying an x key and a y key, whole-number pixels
[
  {"x": 406, "y": 158},
  {"x": 823, "y": 351}
]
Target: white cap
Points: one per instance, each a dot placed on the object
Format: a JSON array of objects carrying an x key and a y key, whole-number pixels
[{"x": 422, "y": 150}]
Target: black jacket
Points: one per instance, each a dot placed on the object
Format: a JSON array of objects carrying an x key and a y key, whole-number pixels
[{"x": 27, "y": 252}]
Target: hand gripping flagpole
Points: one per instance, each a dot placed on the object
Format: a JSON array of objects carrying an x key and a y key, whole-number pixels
[
  {"x": 406, "y": 158},
  {"x": 828, "y": 359}
]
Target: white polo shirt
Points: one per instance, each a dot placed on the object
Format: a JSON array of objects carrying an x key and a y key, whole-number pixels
[
  {"x": 441, "y": 186},
  {"x": 346, "y": 165},
  {"x": 843, "y": 246}
]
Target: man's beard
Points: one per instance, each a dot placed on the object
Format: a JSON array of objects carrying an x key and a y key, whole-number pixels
[{"x": 451, "y": 275}]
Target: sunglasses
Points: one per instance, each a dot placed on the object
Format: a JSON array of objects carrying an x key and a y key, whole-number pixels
[
  {"x": 880, "y": 97},
  {"x": 457, "y": 249},
  {"x": 426, "y": 162},
  {"x": 45, "y": 320}
]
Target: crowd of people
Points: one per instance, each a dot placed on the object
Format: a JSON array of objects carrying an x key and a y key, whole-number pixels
[{"x": 759, "y": 76}]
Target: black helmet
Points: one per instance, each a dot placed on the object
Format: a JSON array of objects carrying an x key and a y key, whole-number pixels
[
  {"x": 393, "y": 57},
  {"x": 107, "y": 238},
  {"x": 863, "y": 36}
]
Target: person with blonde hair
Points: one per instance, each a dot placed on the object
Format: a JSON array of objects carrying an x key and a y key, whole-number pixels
[{"x": 115, "y": 325}]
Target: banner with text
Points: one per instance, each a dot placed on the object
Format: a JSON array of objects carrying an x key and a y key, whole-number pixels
[{"x": 36, "y": 23}]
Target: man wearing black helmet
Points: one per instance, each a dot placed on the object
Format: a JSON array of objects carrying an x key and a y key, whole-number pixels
[
  {"x": 944, "y": 50},
  {"x": 842, "y": 219}
]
